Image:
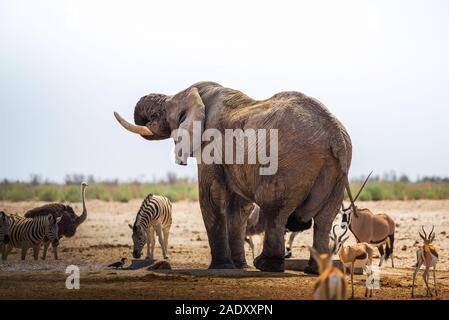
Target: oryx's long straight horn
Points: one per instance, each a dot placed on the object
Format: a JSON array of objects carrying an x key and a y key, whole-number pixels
[
  {"x": 142, "y": 130},
  {"x": 348, "y": 190},
  {"x": 363, "y": 185}
]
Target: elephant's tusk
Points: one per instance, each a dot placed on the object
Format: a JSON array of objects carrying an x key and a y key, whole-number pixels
[{"x": 142, "y": 130}]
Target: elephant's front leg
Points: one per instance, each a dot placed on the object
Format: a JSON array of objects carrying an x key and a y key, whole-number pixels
[
  {"x": 272, "y": 257},
  {"x": 217, "y": 233},
  {"x": 237, "y": 216},
  {"x": 213, "y": 199}
]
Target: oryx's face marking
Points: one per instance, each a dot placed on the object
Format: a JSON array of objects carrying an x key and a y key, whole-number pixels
[{"x": 345, "y": 216}]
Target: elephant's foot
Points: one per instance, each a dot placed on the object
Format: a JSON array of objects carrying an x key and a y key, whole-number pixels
[
  {"x": 264, "y": 263},
  {"x": 221, "y": 266},
  {"x": 288, "y": 253},
  {"x": 312, "y": 267},
  {"x": 241, "y": 264}
]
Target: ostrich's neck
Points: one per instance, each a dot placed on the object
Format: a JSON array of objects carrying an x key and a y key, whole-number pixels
[{"x": 84, "y": 198}]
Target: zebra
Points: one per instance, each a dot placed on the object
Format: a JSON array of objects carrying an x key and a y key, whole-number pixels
[
  {"x": 28, "y": 232},
  {"x": 5, "y": 224},
  {"x": 154, "y": 216}
]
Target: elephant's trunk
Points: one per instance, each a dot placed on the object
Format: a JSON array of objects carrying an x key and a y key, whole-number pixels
[
  {"x": 83, "y": 215},
  {"x": 149, "y": 117},
  {"x": 150, "y": 112}
]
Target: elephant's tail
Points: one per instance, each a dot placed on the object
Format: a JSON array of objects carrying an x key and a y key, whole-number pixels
[
  {"x": 342, "y": 150},
  {"x": 341, "y": 147}
]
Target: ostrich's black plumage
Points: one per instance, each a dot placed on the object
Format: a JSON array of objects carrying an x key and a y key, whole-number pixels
[
  {"x": 68, "y": 224},
  {"x": 69, "y": 219}
]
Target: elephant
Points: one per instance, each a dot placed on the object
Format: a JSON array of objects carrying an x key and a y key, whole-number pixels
[{"x": 314, "y": 153}]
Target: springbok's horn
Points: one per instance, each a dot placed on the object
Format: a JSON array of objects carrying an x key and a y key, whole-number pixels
[
  {"x": 430, "y": 234},
  {"x": 425, "y": 234},
  {"x": 142, "y": 130},
  {"x": 363, "y": 185}
]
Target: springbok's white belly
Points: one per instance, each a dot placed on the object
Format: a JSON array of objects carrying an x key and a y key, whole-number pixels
[{"x": 434, "y": 260}]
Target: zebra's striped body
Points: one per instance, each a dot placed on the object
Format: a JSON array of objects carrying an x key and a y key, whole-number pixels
[
  {"x": 5, "y": 223},
  {"x": 28, "y": 233},
  {"x": 154, "y": 216}
]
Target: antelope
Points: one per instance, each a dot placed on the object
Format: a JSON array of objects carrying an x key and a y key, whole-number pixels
[
  {"x": 375, "y": 229},
  {"x": 351, "y": 256},
  {"x": 427, "y": 255},
  {"x": 255, "y": 225},
  {"x": 331, "y": 283}
]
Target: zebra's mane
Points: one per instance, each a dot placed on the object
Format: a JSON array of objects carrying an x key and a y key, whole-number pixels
[{"x": 145, "y": 202}]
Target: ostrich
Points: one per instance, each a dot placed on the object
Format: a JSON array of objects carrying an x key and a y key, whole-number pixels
[{"x": 69, "y": 220}]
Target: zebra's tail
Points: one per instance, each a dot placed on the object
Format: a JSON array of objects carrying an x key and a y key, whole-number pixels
[{"x": 389, "y": 246}]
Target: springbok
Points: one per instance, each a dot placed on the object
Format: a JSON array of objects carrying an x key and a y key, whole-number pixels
[
  {"x": 331, "y": 283},
  {"x": 352, "y": 256},
  {"x": 427, "y": 255},
  {"x": 375, "y": 229}
]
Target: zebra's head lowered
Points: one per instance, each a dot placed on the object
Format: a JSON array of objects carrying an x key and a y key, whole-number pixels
[
  {"x": 140, "y": 236},
  {"x": 53, "y": 230},
  {"x": 5, "y": 231}
]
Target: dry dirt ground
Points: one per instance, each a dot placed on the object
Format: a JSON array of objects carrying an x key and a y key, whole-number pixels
[{"x": 105, "y": 237}]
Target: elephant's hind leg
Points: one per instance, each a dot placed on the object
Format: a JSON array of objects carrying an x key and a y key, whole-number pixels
[
  {"x": 326, "y": 214},
  {"x": 272, "y": 257}
]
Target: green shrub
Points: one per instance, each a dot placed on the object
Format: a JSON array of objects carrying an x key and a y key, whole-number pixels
[
  {"x": 49, "y": 193},
  {"x": 183, "y": 190},
  {"x": 121, "y": 194},
  {"x": 71, "y": 194},
  {"x": 18, "y": 192},
  {"x": 98, "y": 193}
]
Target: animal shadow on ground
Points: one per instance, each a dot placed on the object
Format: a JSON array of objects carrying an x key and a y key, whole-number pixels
[
  {"x": 228, "y": 273},
  {"x": 139, "y": 264},
  {"x": 300, "y": 265}
]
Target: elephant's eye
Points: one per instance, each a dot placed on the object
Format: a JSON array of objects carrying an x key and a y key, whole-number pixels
[{"x": 182, "y": 117}]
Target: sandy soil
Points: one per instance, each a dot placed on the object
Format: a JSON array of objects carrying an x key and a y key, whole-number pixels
[{"x": 105, "y": 238}]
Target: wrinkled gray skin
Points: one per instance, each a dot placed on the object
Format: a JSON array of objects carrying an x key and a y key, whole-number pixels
[{"x": 314, "y": 158}]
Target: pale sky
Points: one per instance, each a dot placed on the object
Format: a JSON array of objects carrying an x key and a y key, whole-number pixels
[{"x": 381, "y": 67}]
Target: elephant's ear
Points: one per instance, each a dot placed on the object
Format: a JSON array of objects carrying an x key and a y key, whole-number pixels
[
  {"x": 184, "y": 108},
  {"x": 186, "y": 111}
]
